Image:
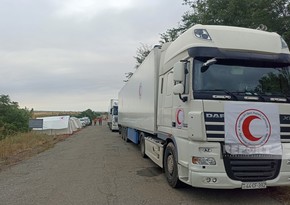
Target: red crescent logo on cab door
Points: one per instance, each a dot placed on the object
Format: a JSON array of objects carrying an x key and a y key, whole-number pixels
[{"x": 179, "y": 118}]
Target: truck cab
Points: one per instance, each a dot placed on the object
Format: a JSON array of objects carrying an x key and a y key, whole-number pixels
[
  {"x": 230, "y": 108},
  {"x": 212, "y": 108}
]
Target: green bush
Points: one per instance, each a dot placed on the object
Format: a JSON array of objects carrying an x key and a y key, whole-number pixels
[{"x": 12, "y": 118}]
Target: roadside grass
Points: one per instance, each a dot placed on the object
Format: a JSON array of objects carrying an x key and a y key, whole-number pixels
[{"x": 24, "y": 145}]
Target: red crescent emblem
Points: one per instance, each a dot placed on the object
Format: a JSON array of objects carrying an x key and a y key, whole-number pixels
[
  {"x": 246, "y": 128},
  {"x": 178, "y": 120},
  {"x": 243, "y": 132}
]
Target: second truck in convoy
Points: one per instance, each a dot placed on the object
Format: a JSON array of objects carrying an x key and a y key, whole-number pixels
[
  {"x": 113, "y": 115},
  {"x": 212, "y": 108}
]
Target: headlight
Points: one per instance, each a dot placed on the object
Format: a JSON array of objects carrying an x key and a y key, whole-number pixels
[
  {"x": 202, "y": 33},
  {"x": 203, "y": 160}
]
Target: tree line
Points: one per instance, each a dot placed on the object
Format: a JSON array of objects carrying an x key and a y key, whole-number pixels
[
  {"x": 12, "y": 118},
  {"x": 274, "y": 14}
]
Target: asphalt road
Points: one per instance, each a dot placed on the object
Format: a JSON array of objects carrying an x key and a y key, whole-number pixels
[{"x": 95, "y": 166}]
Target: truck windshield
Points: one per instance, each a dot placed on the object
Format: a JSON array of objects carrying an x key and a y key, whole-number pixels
[{"x": 235, "y": 79}]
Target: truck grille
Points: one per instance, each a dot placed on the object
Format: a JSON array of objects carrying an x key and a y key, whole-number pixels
[
  {"x": 214, "y": 126},
  {"x": 251, "y": 168},
  {"x": 246, "y": 168}
]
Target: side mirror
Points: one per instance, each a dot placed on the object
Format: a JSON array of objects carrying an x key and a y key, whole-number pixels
[
  {"x": 178, "y": 89},
  {"x": 178, "y": 72}
]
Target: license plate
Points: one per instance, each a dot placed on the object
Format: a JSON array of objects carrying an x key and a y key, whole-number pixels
[{"x": 254, "y": 185}]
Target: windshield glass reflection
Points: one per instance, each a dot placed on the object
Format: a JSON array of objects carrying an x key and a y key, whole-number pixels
[{"x": 268, "y": 81}]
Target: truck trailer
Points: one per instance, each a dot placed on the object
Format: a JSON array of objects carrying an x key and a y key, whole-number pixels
[
  {"x": 212, "y": 108},
  {"x": 113, "y": 115}
]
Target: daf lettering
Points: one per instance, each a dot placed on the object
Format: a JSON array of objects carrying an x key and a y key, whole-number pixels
[{"x": 214, "y": 115}]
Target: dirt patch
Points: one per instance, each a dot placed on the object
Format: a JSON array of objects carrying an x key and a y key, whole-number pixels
[{"x": 27, "y": 153}]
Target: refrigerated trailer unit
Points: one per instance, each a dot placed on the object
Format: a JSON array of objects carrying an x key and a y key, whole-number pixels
[{"x": 212, "y": 108}]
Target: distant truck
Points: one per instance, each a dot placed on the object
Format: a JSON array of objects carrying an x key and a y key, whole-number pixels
[
  {"x": 113, "y": 115},
  {"x": 212, "y": 108},
  {"x": 85, "y": 121}
]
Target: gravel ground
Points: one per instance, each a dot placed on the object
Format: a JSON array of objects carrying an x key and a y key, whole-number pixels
[{"x": 94, "y": 166}]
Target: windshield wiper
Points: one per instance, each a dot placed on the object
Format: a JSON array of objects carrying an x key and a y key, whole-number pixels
[
  {"x": 251, "y": 95},
  {"x": 231, "y": 94},
  {"x": 278, "y": 97}
]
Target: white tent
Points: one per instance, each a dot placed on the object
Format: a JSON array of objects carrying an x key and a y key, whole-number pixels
[
  {"x": 75, "y": 123},
  {"x": 58, "y": 125}
]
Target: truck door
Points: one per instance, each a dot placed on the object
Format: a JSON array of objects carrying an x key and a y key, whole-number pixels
[
  {"x": 180, "y": 104},
  {"x": 165, "y": 102}
]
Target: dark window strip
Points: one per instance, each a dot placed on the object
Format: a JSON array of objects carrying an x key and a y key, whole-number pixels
[
  {"x": 285, "y": 137},
  {"x": 214, "y": 127},
  {"x": 215, "y": 136},
  {"x": 285, "y": 129}
]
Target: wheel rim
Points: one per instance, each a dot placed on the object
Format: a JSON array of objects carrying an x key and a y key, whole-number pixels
[{"x": 170, "y": 164}]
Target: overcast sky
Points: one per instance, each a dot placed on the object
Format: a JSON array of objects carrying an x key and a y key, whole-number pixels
[{"x": 72, "y": 55}]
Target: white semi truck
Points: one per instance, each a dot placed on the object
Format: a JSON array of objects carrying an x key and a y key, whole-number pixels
[
  {"x": 113, "y": 115},
  {"x": 212, "y": 108}
]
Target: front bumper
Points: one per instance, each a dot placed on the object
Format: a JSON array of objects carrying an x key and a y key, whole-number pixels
[
  {"x": 200, "y": 175},
  {"x": 115, "y": 127},
  {"x": 224, "y": 182}
]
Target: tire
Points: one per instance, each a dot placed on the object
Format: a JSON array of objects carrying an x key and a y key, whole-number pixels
[
  {"x": 109, "y": 125},
  {"x": 125, "y": 137},
  {"x": 170, "y": 166},
  {"x": 122, "y": 132},
  {"x": 142, "y": 144}
]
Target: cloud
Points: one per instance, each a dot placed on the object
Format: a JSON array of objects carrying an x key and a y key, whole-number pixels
[
  {"x": 73, "y": 55},
  {"x": 88, "y": 9}
]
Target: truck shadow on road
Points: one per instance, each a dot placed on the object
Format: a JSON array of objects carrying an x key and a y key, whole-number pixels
[
  {"x": 272, "y": 195},
  {"x": 150, "y": 172},
  {"x": 219, "y": 196}
]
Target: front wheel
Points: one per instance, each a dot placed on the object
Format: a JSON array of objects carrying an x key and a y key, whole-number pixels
[{"x": 170, "y": 166}]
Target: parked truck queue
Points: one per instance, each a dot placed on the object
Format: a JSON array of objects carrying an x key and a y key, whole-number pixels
[{"x": 212, "y": 108}]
